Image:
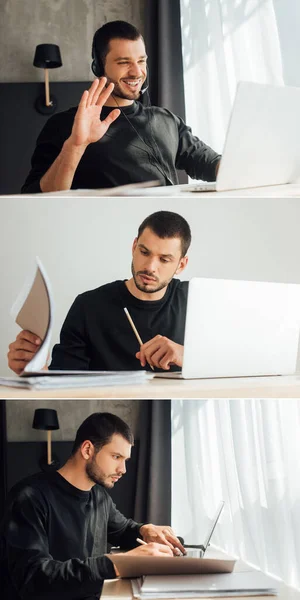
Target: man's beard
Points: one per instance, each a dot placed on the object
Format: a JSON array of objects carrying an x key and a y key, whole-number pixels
[
  {"x": 95, "y": 475},
  {"x": 118, "y": 93},
  {"x": 144, "y": 288}
]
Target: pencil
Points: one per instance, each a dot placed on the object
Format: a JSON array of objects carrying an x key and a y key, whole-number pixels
[
  {"x": 134, "y": 329},
  {"x": 141, "y": 541}
]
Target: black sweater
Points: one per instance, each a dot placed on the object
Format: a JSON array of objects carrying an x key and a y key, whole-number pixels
[
  {"x": 53, "y": 538},
  {"x": 96, "y": 334},
  {"x": 143, "y": 144}
]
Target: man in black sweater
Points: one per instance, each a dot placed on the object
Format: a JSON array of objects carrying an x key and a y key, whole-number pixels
[
  {"x": 96, "y": 334},
  {"x": 132, "y": 143},
  {"x": 54, "y": 534}
]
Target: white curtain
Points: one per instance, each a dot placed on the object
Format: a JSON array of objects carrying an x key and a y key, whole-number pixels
[
  {"x": 226, "y": 41},
  {"x": 246, "y": 452}
]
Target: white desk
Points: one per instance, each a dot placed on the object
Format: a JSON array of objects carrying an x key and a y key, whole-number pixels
[
  {"x": 239, "y": 387},
  {"x": 114, "y": 589},
  {"x": 290, "y": 190}
]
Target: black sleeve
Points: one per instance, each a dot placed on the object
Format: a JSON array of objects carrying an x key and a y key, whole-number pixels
[
  {"x": 48, "y": 146},
  {"x": 72, "y": 351},
  {"x": 194, "y": 156},
  {"x": 32, "y": 569},
  {"x": 120, "y": 530}
]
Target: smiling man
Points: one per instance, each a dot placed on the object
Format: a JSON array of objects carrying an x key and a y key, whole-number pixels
[
  {"x": 111, "y": 138},
  {"x": 96, "y": 334},
  {"x": 53, "y": 538}
]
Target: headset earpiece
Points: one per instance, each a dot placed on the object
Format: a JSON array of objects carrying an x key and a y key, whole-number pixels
[
  {"x": 97, "y": 65},
  {"x": 94, "y": 68}
]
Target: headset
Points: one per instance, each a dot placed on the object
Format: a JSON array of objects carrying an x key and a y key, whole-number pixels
[{"x": 97, "y": 67}]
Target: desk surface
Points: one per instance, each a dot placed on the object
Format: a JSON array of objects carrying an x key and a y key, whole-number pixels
[
  {"x": 114, "y": 589},
  {"x": 239, "y": 387},
  {"x": 289, "y": 190}
]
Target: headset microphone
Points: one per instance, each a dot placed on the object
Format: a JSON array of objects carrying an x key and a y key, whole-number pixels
[{"x": 144, "y": 90}]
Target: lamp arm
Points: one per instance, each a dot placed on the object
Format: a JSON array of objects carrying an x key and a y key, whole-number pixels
[
  {"x": 47, "y": 90},
  {"x": 49, "y": 457}
]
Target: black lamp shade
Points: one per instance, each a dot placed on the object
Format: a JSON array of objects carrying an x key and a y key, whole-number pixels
[
  {"x": 45, "y": 418},
  {"x": 47, "y": 56}
]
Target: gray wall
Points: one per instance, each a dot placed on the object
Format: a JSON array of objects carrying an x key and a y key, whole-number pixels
[
  {"x": 68, "y": 23},
  {"x": 71, "y": 413}
]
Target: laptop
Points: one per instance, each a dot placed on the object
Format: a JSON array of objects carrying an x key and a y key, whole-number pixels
[
  {"x": 198, "y": 551},
  {"x": 191, "y": 563},
  {"x": 262, "y": 145},
  {"x": 239, "y": 329}
]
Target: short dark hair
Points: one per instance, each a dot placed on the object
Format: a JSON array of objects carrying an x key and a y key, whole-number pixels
[
  {"x": 168, "y": 224},
  {"x": 99, "y": 429},
  {"x": 111, "y": 30}
]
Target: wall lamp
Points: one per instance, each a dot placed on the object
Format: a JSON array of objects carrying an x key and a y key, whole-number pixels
[
  {"x": 47, "y": 56},
  {"x": 47, "y": 420}
]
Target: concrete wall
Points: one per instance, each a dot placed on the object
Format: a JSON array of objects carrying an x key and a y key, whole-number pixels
[
  {"x": 68, "y": 23},
  {"x": 71, "y": 413}
]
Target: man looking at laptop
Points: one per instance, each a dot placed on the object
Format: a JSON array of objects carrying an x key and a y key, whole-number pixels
[
  {"x": 96, "y": 334},
  {"x": 112, "y": 139},
  {"x": 54, "y": 534}
]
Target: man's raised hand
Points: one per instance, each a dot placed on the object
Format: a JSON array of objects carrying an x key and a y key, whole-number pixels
[{"x": 87, "y": 126}]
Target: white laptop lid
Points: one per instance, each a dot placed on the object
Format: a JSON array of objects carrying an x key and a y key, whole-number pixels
[
  {"x": 213, "y": 524},
  {"x": 241, "y": 328},
  {"x": 193, "y": 549},
  {"x": 263, "y": 138}
]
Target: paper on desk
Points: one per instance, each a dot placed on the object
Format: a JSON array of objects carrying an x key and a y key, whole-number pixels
[
  {"x": 33, "y": 311},
  {"x": 46, "y": 380},
  {"x": 120, "y": 190}
]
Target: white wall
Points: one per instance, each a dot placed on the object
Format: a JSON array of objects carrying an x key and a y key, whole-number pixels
[{"x": 84, "y": 243}]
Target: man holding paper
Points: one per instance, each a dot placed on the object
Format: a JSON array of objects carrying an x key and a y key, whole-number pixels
[
  {"x": 54, "y": 534},
  {"x": 99, "y": 335}
]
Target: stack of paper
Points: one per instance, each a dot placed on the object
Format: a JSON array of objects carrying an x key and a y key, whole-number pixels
[
  {"x": 75, "y": 379},
  {"x": 249, "y": 583}
]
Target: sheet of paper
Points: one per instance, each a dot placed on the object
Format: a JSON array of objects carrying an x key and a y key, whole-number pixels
[
  {"x": 120, "y": 190},
  {"x": 33, "y": 311}
]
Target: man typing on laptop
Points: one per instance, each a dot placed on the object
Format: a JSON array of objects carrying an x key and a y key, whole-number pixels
[{"x": 54, "y": 534}]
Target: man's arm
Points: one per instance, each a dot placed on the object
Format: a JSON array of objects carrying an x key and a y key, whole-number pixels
[
  {"x": 72, "y": 352},
  {"x": 120, "y": 530},
  {"x": 124, "y": 532},
  {"x": 31, "y": 568},
  {"x": 194, "y": 156},
  {"x": 87, "y": 128}
]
